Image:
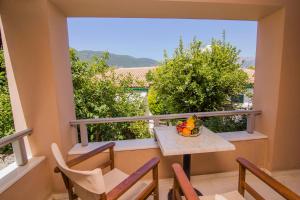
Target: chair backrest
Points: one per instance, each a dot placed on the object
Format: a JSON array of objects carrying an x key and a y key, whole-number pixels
[
  {"x": 267, "y": 179},
  {"x": 87, "y": 184},
  {"x": 181, "y": 183}
]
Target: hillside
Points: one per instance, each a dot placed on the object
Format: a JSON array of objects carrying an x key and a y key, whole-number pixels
[
  {"x": 118, "y": 60},
  {"x": 130, "y": 61}
]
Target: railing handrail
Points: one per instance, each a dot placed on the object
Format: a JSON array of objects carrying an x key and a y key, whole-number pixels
[
  {"x": 164, "y": 117},
  {"x": 14, "y": 137}
]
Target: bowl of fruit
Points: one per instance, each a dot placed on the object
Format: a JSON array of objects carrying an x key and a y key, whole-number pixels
[{"x": 192, "y": 127}]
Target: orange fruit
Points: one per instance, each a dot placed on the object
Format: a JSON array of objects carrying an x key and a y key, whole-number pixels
[
  {"x": 186, "y": 132},
  {"x": 190, "y": 125}
]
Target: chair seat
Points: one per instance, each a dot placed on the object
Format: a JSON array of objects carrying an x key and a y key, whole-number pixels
[
  {"x": 116, "y": 176},
  {"x": 234, "y": 195}
]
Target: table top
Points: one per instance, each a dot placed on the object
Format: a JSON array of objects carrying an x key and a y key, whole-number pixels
[{"x": 171, "y": 143}]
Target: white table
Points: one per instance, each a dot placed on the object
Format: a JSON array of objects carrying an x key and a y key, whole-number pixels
[{"x": 171, "y": 143}]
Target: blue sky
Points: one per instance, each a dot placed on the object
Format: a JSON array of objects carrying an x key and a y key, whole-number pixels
[{"x": 149, "y": 37}]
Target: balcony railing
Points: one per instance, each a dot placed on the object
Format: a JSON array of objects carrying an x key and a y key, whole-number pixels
[
  {"x": 82, "y": 123},
  {"x": 18, "y": 144}
]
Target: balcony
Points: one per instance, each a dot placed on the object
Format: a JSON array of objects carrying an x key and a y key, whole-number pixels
[
  {"x": 39, "y": 78},
  {"x": 131, "y": 153}
]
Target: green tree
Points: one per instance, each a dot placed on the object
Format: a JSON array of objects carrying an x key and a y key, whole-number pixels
[
  {"x": 99, "y": 92},
  {"x": 6, "y": 122},
  {"x": 251, "y": 67},
  {"x": 6, "y": 118},
  {"x": 3, "y": 81},
  {"x": 197, "y": 79}
]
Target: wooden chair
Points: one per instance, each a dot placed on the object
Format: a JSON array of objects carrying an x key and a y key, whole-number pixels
[
  {"x": 93, "y": 185},
  {"x": 183, "y": 186}
]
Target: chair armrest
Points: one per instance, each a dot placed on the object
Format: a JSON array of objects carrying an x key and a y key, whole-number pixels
[
  {"x": 126, "y": 184},
  {"x": 86, "y": 156},
  {"x": 183, "y": 183},
  {"x": 270, "y": 181}
]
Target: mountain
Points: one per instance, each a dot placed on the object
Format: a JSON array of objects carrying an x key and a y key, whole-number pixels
[
  {"x": 118, "y": 60},
  {"x": 130, "y": 61},
  {"x": 247, "y": 61}
]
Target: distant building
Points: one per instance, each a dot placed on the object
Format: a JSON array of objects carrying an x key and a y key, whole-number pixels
[
  {"x": 251, "y": 74},
  {"x": 139, "y": 73}
]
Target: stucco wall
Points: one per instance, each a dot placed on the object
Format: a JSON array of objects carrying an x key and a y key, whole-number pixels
[
  {"x": 39, "y": 76},
  {"x": 33, "y": 186},
  {"x": 267, "y": 75},
  {"x": 129, "y": 161},
  {"x": 286, "y": 153},
  {"x": 276, "y": 90},
  {"x": 36, "y": 55}
]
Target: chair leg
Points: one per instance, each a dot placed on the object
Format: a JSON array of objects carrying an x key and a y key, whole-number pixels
[
  {"x": 69, "y": 187},
  {"x": 155, "y": 178},
  {"x": 242, "y": 178},
  {"x": 112, "y": 157},
  {"x": 156, "y": 194}
]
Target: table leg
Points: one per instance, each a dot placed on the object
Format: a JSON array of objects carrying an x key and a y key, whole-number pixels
[
  {"x": 187, "y": 170},
  {"x": 187, "y": 165}
]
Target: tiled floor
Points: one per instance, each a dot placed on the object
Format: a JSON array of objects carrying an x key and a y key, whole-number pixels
[{"x": 226, "y": 182}]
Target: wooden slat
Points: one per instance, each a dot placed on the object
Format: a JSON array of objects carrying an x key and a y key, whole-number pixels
[
  {"x": 176, "y": 195},
  {"x": 69, "y": 186},
  {"x": 83, "y": 157},
  {"x": 155, "y": 180},
  {"x": 112, "y": 157},
  {"x": 270, "y": 181},
  {"x": 106, "y": 164},
  {"x": 164, "y": 117},
  {"x": 242, "y": 177},
  {"x": 251, "y": 191},
  {"x": 125, "y": 185},
  {"x": 184, "y": 183},
  {"x": 176, "y": 190},
  {"x": 146, "y": 192}
]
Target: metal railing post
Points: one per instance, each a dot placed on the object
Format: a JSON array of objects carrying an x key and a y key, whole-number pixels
[
  {"x": 83, "y": 135},
  {"x": 156, "y": 122},
  {"x": 20, "y": 152},
  {"x": 250, "y": 123},
  {"x": 18, "y": 143}
]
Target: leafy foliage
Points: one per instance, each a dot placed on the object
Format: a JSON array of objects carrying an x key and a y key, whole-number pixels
[
  {"x": 100, "y": 93},
  {"x": 2, "y": 70},
  {"x": 197, "y": 79},
  {"x": 6, "y": 118},
  {"x": 226, "y": 124}
]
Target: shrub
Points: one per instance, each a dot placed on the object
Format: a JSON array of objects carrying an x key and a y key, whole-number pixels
[{"x": 100, "y": 93}]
